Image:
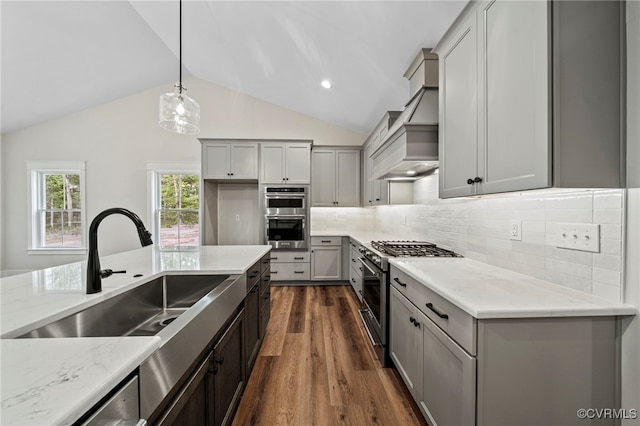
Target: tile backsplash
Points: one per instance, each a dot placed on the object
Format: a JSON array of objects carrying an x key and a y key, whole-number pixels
[{"x": 478, "y": 228}]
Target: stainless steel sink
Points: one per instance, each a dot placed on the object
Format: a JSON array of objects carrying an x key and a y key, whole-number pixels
[
  {"x": 143, "y": 311},
  {"x": 184, "y": 311}
]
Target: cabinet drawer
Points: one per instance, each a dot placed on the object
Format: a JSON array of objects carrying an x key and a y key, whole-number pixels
[
  {"x": 356, "y": 271},
  {"x": 253, "y": 275},
  {"x": 354, "y": 254},
  {"x": 265, "y": 282},
  {"x": 291, "y": 271},
  {"x": 265, "y": 262},
  {"x": 326, "y": 241},
  {"x": 289, "y": 257},
  {"x": 458, "y": 324}
]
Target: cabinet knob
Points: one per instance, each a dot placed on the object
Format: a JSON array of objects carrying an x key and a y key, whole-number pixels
[
  {"x": 231, "y": 174},
  {"x": 469, "y": 181},
  {"x": 477, "y": 179}
]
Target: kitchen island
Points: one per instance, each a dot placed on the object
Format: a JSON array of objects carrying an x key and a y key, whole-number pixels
[{"x": 55, "y": 381}]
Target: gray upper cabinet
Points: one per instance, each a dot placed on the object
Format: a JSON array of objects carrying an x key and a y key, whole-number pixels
[
  {"x": 522, "y": 106},
  {"x": 226, "y": 160},
  {"x": 336, "y": 177},
  {"x": 285, "y": 163}
]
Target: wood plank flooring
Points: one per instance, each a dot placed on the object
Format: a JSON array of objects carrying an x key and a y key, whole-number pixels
[{"x": 317, "y": 367}]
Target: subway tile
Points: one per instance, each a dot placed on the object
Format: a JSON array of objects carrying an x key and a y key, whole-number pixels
[
  {"x": 608, "y": 199},
  {"x": 608, "y": 292},
  {"x": 611, "y": 231},
  {"x": 608, "y": 246},
  {"x": 613, "y": 216},
  {"x": 570, "y": 201},
  {"x": 608, "y": 262},
  {"x": 568, "y": 268},
  {"x": 607, "y": 277},
  {"x": 569, "y": 215}
]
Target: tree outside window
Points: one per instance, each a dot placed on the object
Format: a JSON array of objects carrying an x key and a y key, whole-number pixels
[
  {"x": 178, "y": 210},
  {"x": 60, "y": 210},
  {"x": 57, "y": 207}
]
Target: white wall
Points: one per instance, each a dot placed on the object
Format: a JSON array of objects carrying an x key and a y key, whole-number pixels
[
  {"x": 1, "y": 212},
  {"x": 631, "y": 328},
  {"x": 117, "y": 139}
]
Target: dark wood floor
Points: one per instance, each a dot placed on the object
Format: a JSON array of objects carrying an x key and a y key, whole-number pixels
[{"x": 316, "y": 366}]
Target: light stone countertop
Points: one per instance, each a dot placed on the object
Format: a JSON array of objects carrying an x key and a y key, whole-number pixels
[
  {"x": 485, "y": 291},
  {"x": 55, "y": 381}
]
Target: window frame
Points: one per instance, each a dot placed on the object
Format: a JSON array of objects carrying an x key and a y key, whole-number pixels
[
  {"x": 35, "y": 172},
  {"x": 154, "y": 171}
]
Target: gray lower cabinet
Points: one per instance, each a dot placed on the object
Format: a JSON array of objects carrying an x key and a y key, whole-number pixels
[
  {"x": 290, "y": 265},
  {"x": 326, "y": 258},
  {"x": 355, "y": 269},
  {"x": 504, "y": 371}
]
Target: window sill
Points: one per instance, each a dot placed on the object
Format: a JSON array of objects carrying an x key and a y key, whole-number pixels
[{"x": 76, "y": 251}]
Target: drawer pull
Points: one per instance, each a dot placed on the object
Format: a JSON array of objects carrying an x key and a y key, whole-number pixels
[
  {"x": 396, "y": 279},
  {"x": 325, "y": 241},
  {"x": 298, "y": 272},
  {"x": 353, "y": 260},
  {"x": 274, "y": 258},
  {"x": 274, "y": 272},
  {"x": 412, "y": 320},
  {"x": 298, "y": 258},
  {"x": 435, "y": 311},
  {"x": 266, "y": 261},
  {"x": 253, "y": 276}
]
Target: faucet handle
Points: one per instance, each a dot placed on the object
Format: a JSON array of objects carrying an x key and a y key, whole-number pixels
[{"x": 108, "y": 272}]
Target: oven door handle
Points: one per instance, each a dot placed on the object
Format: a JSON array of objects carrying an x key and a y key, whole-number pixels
[
  {"x": 284, "y": 196},
  {"x": 285, "y": 216},
  {"x": 376, "y": 273}
]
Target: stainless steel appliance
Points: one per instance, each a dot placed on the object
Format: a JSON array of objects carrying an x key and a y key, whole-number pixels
[
  {"x": 286, "y": 217},
  {"x": 376, "y": 285}
]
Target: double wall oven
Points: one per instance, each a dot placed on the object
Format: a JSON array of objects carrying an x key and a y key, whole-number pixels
[
  {"x": 376, "y": 285},
  {"x": 286, "y": 217}
]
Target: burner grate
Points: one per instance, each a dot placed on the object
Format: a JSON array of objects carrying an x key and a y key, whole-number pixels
[{"x": 412, "y": 249}]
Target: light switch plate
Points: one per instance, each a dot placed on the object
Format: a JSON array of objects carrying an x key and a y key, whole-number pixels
[{"x": 579, "y": 236}]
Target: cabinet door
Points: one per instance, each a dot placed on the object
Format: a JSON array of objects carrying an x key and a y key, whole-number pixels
[
  {"x": 215, "y": 161},
  {"x": 272, "y": 163},
  {"x": 326, "y": 263},
  {"x": 244, "y": 161},
  {"x": 514, "y": 148},
  {"x": 406, "y": 342},
  {"x": 459, "y": 113},
  {"x": 251, "y": 327},
  {"x": 324, "y": 178},
  {"x": 448, "y": 385},
  {"x": 228, "y": 367},
  {"x": 191, "y": 405},
  {"x": 265, "y": 303},
  {"x": 298, "y": 163},
  {"x": 380, "y": 190},
  {"x": 347, "y": 178}
]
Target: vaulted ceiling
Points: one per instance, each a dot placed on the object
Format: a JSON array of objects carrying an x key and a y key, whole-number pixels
[{"x": 59, "y": 57}]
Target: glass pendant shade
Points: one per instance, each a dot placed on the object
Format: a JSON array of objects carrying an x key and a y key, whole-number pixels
[{"x": 179, "y": 113}]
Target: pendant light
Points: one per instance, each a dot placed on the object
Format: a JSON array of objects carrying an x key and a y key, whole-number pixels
[{"x": 178, "y": 112}]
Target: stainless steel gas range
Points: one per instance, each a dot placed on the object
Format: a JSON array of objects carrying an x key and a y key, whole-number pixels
[{"x": 375, "y": 287}]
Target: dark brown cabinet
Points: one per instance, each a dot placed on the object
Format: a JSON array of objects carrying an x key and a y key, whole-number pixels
[
  {"x": 228, "y": 372},
  {"x": 211, "y": 393},
  {"x": 265, "y": 294}
]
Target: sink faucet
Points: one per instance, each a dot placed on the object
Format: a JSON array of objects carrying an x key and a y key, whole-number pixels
[{"x": 94, "y": 273}]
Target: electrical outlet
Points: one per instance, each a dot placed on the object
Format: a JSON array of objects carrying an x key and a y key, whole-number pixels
[
  {"x": 515, "y": 230},
  {"x": 578, "y": 236}
]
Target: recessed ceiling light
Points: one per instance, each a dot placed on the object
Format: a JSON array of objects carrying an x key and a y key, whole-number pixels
[
  {"x": 411, "y": 172},
  {"x": 326, "y": 84}
]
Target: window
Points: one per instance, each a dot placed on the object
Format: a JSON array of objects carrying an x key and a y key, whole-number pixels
[
  {"x": 57, "y": 207},
  {"x": 175, "y": 205}
]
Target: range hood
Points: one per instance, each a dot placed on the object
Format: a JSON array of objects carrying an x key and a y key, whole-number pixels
[{"x": 410, "y": 148}]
